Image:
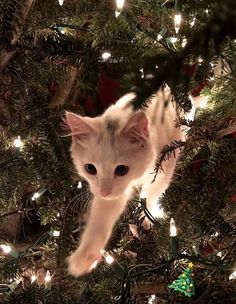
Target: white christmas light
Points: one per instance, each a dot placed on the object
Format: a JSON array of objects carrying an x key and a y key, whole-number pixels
[
  {"x": 173, "y": 39},
  {"x": 159, "y": 37},
  {"x": 18, "y": 142},
  {"x": 47, "y": 276},
  {"x": 195, "y": 250},
  {"x": 207, "y": 11},
  {"x": 193, "y": 22},
  {"x": 61, "y": 2},
  {"x": 173, "y": 230},
  {"x": 151, "y": 299},
  {"x": 79, "y": 186},
  {"x": 203, "y": 103},
  {"x": 56, "y": 233},
  {"x": 15, "y": 283},
  {"x": 117, "y": 14},
  {"x": 156, "y": 210},
  {"x": 200, "y": 60},
  {"x": 143, "y": 194},
  {"x": 177, "y": 21},
  {"x": 108, "y": 258},
  {"x": 6, "y": 248},
  {"x": 106, "y": 55},
  {"x": 120, "y": 4},
  {"x": 161, "y": 34},
  {"x": 33, "y": 278},
  {"x": 141, "y": 70},
  {"x": 233, "y": 275},
  {"x": 219, "y": 254},
  {"x": 36, "y": 195},
  {"x": 184, "y": 42}
]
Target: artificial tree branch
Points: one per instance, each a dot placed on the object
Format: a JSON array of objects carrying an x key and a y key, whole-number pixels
[{"x": 18, "y": 10}]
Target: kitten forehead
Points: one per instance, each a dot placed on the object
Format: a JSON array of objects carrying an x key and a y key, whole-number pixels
[
  {"x": 107, "y": 137},
  {"x": 111, "y": 126}
]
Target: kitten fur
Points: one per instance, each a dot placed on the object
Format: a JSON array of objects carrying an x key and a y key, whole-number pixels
[{"x": 119, "y": 137}]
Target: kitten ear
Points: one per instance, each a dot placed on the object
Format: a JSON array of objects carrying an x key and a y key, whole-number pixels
[
  {"x": 136, "y": 128},
  {"x": 80, "y": 126}
]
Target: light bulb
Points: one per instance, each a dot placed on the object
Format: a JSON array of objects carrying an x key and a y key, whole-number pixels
[
  {"x": 193, "y": 22},
  {"x": 233, "y": 275},
  {"x": 184, "y": 42},
  {"x": 47, "y": 276},
  {"x": 36, "y": 195},
  {"x": 120, "y": 4},
  {"x": 195, "y": 250},
  {"x": 79, "y": 186},
  {"x": 19, "y": 280},
  {"x": 143, "y": 194},
  {"x": 151, "y": 299},
  {"x": 33, "y": 278},
  {"x": 173, "y": 39},
  {"x": 106, "y": 55},
  {"x": 61, "y": 2},
  {"x": 56, "y": 233},
  {"x": 108, "y": 258},
  {"x": 173, "y": 230},
  {"x": 117, "y": 14},
  {"x": 161, "y": 34},
  {"x": 203, "y": 103},
  {"x": 159, "y": 37},
  {"x": 156, "y": 210},
  {"x": 18, "y": 142},
  {"x": 200, "y": 60},
  {"x": 177, "y": 21},
  {"x": 6, "y": 248}
]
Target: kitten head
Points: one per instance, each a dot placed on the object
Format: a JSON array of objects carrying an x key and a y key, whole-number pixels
[{"x": 109, "y": 153}]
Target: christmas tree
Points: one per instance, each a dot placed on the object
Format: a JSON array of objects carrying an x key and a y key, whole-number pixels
[
  {"x": 184, "y": 283},
  {"x": 81, "y": 56}
]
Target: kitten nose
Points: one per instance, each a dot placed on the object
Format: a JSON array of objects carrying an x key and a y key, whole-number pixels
[{"x": 104, "y": 193}]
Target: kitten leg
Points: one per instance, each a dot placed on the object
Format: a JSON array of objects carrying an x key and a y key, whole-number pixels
[{"x": 103, "y": 215}]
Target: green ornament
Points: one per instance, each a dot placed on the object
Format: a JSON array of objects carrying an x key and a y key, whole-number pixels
[{"x": 184, "y": 283}]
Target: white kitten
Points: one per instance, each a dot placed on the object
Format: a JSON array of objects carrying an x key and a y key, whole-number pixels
[{"x": 115, "y": 153}]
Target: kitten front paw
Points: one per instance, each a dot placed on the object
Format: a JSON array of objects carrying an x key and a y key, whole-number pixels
[{"x": 82, "y": 262}]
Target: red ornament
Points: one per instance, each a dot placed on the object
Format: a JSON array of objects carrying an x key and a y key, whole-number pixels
[
  {"x": 107, "y": 88},
  {"x": 234, "y": 197},
  {"x": 107, "y": 93},
  {"x": 197, "y": 90},
  {"x": 208, "y": 248},
  {"x": 196, "y": 166},
  {"x": 233, "y": 134},
  {"x": 190, "y": 69}
]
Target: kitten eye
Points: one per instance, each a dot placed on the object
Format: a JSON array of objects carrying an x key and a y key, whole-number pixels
[
  {"x": 121, "y": 170},
  {"x": 91, "y": 169}
]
